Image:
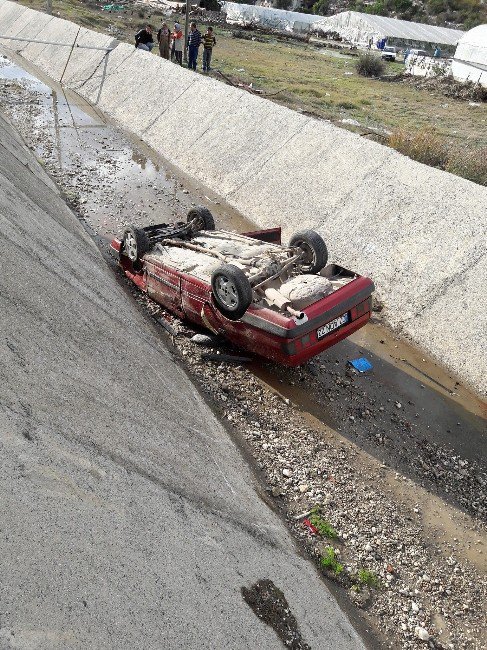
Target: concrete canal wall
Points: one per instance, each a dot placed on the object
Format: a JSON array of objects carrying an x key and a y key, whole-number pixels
[{"x": 420, "y": 233}]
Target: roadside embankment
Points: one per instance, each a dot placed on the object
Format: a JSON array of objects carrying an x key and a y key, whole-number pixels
[
  {"x": 129, "y": 518},
  {"x": 417, "y": 231}
]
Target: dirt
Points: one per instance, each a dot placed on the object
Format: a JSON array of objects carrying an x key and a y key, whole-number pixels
[
  {"x": 394, "y": 458},
  {"x": 270, "y": 605}
]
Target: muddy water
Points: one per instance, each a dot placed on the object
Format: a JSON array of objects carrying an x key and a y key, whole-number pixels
[{"x": 117, "y": 180}]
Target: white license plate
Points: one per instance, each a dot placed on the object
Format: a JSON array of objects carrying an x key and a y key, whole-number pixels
[{"x": 332, "y": 325}]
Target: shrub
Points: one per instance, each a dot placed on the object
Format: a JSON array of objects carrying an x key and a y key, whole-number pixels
[
  {"x": 469, "y": 164},
  {"x": 329, "y": 561},
  {"x": 321, "y": 7},
  {"x": 424, "y": 146},
  {"x": 370, "y": 65}
]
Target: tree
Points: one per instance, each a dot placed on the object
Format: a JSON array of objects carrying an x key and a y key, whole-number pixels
[{"x": 321, "y": 7}]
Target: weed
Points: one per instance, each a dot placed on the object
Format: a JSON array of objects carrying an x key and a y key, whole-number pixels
[
  {"x": 370, "y": 65},
  {"x": 324, "y": 528},
  {"x": 348, "y": 105},
  {"x": 424, "y": 146},
  {"x": 469, "y": 164},
  {"x": 329, "y": 561},
  {"x": 367, "y": 578}
]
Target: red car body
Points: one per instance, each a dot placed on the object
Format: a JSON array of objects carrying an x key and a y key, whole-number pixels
[{"x": 261, "y": 330}]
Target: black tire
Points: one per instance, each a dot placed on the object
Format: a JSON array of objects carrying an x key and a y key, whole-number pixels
[
  {"x": 314, "y": 247},
  {"x": 202, "y": 219},
  {"x": 135, "y": 243},
  {"x": 231, "y": 291}
]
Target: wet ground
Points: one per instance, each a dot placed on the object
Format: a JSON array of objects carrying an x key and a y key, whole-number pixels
[{"x": 408, "y": 412}]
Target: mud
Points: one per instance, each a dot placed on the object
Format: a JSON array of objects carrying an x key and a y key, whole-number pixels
[{"x": 270, "y": 605}]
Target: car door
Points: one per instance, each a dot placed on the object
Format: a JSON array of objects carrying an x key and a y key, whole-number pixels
[{"x": 164, "y": 285}]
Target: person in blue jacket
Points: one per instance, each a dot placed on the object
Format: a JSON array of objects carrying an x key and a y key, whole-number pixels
[{"x": 194, "y": 41}]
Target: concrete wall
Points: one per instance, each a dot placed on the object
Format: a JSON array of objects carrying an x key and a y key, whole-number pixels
[{"x": 417, "y": 231}]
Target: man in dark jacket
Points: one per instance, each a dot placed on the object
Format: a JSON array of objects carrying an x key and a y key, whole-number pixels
[
  {"x": 194, "y": 40},
  {"x": 144, "y": 40}
]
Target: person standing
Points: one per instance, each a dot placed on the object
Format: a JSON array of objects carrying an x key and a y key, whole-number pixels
[
  {"x": 194, "y": 41},
  {"x": 177, "y": 43},
  {"x": 164, "y": 38},
  {"x": 144, "y": 40},
  {"x": 208, "y": 42}
]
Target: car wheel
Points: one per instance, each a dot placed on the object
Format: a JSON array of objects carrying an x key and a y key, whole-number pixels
[
  {"x": 314, "y": 248},
  {"x": 200, "y": 218},
  {"x": 231, "y": 290},
  {"x": 135, "y": 243}
]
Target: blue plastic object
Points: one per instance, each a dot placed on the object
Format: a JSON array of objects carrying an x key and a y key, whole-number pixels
[{"x": 362, "y": 365}]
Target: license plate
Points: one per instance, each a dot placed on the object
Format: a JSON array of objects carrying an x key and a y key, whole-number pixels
[{"x": 332, "y": 325}]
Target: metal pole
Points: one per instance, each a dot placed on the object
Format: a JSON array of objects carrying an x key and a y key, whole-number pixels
[
  {"x": 49, "y": 7},
  {"x": 186, "y": 25}
]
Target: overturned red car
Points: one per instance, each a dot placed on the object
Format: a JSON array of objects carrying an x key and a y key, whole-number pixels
[{"x": 285, "y": 303}]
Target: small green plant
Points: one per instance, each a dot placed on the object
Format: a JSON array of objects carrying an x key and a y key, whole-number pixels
[
  {"x": 370, "y": 65},
  {"x": 368, "y": 578},
  {"x": 329, "y": 561},
  {"x": 324, "y": 527}
]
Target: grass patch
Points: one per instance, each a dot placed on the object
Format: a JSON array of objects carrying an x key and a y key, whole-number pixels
[
  {"x": 425, "y": 146},
  {"x": 370, "y": 65},
  {"x": 347, "y": 105},
  {"x": 367, "y": 578},
  {"x": 330, "y": 561},
  {"x": 324, "y": 527},
  {"x": 471, "y": 165}
]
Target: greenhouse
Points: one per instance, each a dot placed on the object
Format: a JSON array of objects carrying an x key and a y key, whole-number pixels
[
  {"x": 352, "y": 26},
  {"x": 470, "y": 60}
]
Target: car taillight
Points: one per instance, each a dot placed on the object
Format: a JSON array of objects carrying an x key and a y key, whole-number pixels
[{"x": 361, "y": 309}]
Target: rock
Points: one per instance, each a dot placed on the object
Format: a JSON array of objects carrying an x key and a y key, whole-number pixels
[
  {"x": 414, "y": 607},
  {"x": 287, "y": 472},
  {"x": 303, "y": 488},
  {"x": 203, "y": 339},
  {"x": 421, "y": 633}
]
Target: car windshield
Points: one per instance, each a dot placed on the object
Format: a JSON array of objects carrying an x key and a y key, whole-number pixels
[{"x": 389, "y": 49}]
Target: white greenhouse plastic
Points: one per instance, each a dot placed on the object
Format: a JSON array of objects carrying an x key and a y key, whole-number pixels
[
  {"x": 355, "y": 27},
  {"x": 470, "y": 61}
]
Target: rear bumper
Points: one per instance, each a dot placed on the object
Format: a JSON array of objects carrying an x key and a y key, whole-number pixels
[{"x": 301, "y": 350}]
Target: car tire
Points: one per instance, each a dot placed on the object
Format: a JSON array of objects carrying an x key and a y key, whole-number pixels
[
  {"x": 232, "y": 292},
  {"x": 201, "y": 219},
  {"x": 135, "y": 243},
  {"x": 314, "y": 247}
]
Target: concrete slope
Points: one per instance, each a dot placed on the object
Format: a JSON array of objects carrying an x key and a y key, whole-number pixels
[
  {"x": 419, "y": 232},
  {"x": 128, "y": 517}
]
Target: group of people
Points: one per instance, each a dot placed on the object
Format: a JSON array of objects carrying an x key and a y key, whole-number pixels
[{"x": 171, "y": 44}]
